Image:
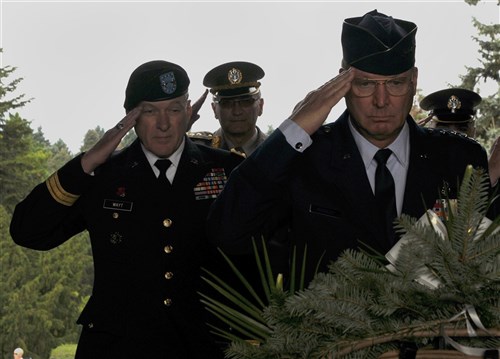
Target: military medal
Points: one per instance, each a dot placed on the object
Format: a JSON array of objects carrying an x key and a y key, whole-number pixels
[{"x": 211, "y": 185}]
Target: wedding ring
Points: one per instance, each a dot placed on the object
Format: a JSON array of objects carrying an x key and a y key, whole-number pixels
[{"x": 119, "y": 126}]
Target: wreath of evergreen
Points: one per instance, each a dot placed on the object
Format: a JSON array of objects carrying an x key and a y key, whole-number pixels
[{"x": 442, "y": 286}]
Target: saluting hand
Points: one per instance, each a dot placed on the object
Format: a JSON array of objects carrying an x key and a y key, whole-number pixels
[
  {"x": 313, "y": 110},
  {"x": 196, "y": 107},
  {"x": 101, "y": 151}
]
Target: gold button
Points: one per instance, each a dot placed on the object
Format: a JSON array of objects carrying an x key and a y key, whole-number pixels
[
  {"x": 168, "y": 249},
  {"x": 167, "y": 302},
  {"x": 167, "y": 222},
  {"x": 115, "y": 215},
  {"x": 169, "y": 275}
]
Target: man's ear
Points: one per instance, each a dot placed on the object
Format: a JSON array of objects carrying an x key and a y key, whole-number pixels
[
  {"x": 414, "y": 78},
  {"x": 215, "y": 112},
  {"x": 261, "y": 106}
]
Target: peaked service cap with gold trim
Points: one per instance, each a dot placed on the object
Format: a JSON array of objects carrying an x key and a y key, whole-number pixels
[
  {"x": 155, "y": 81},
  {"x": 454, "y": 105},
  {"x": 378, "y": 44},
  {"x": 234, "y": 79}
]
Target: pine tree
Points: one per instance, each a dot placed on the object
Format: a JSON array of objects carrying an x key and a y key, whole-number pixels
[{"x": 444, "y": 278}]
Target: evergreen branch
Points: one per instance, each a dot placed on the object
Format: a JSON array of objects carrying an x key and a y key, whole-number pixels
[{"x": 425, "y": 330}]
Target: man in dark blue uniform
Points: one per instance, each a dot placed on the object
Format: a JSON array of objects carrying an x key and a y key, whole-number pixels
[
  {"x": 145, "y": 209},
  {"x": 341, "y": 185}
]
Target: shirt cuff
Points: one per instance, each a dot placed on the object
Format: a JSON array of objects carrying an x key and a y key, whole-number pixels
[{"x": 295, "y": 135}]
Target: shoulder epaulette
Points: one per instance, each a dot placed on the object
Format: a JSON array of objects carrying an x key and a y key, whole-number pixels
[
  {"x": 200, "y": 135},
  {"x": 442, "y": 132},
  {"x": 239, "y": 153}
]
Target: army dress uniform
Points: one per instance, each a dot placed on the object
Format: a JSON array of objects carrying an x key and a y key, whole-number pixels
[
  {"x": 148, "y": 244},
  {"x": 217, "y": 140}
]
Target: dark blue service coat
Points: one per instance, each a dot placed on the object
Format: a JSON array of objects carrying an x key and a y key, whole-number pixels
[{"x": 323, "y": 195}]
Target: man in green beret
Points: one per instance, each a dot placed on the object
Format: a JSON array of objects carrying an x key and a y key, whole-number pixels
[{"x": 145, "y": 209}]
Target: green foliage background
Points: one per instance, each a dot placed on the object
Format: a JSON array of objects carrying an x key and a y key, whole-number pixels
[{"x": 42, "y": 293}]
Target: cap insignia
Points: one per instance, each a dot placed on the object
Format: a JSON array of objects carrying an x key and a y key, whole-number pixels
[
  {"x": 234, "y": 76},
  {"x": 454, "y": 103},
  {"x": 168, "y": 83}
]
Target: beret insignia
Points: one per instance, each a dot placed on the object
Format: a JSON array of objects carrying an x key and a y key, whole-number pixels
[{"x": 168, "y": 83}]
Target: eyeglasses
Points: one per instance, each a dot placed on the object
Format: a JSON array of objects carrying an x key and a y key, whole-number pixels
[
  {"x": 229, "y": 103},
  {"x": 398, "y": 86}
]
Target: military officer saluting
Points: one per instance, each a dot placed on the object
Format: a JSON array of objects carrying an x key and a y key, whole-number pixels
[
  {"x": 237, "y": 103},
  {"x": 453, "y": 109},
  {"x": 145, "y": 209},
  {"x": 340, "y": 185}
]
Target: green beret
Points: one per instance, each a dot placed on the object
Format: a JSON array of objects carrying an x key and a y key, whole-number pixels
[{"x": 155, "y": 81}]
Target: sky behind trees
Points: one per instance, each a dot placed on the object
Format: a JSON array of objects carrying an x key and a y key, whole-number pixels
[{"x": 76, "y": 57}]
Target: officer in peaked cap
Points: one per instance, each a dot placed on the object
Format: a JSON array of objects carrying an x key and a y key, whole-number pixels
[
  {"x": 234, "y": 79},
  {"x": 237, "y": 103},
  {"x": 452, "y": 108}
]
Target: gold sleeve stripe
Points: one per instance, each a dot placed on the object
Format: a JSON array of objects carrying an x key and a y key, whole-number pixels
[{"x": 58, "y": 193}]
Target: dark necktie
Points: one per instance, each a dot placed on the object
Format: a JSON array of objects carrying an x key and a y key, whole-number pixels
[
  {"x": 385, "y": 193},
  {"x": 163, "y": 165}
]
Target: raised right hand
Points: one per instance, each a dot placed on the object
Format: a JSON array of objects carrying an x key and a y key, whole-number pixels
[
  {"x": 313, "y": 110},
  {"x": 100, "y": 152}
]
